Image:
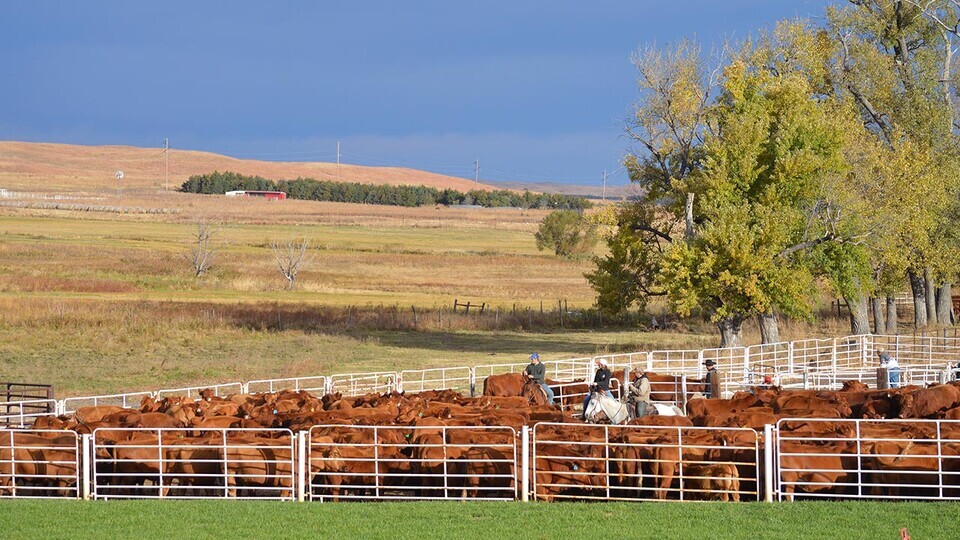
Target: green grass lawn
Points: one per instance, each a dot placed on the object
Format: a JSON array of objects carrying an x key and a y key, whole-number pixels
[{"x": 491, "y": 521}]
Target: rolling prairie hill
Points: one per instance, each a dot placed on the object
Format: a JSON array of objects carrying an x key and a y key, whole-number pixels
[{"x": 50, "y": 167}]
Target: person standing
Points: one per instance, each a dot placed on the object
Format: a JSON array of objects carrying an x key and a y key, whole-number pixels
[
  {"x": 892, "y": 367},
  {"x": 712, "y": 379},
  {"x": 538, "y": 372},
  {"x": 640, "y": 394}
]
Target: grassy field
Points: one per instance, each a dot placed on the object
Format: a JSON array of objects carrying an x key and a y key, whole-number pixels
[
  {"x": 104, "y": 301},
  {"x": 232, "y": 519}
]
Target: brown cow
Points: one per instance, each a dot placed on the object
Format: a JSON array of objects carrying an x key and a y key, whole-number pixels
[
  {"x": 261, "y": 464},
  {"x": 48, "y": 462},
  {"x": 504, "y": 384},
  {"x": 928, "y": 402},
  {"x": 815, "y": 467},
  {"x": 715, "y": 481}
]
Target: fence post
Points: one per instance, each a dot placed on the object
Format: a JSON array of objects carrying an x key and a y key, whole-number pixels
[
  {"x": 683, "y": 393},
  {"x": 86, "y": 468},
  {"x": 525, "y": 464},
  {"x": 649, "y": 362},
  {"x": 768, "y": 463},
  {"x": 302, "y": 450},
  {"x": 473, "y": 382},
  {"x": 833, "y": 355},
  {"x": 790, "y": 357}
]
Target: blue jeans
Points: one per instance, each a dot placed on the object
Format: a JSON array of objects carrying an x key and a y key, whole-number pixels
[
  {"x": 893, "y": 377},
  {"x": 586, "y": 399},
  {"x": 549, "y": 392}
]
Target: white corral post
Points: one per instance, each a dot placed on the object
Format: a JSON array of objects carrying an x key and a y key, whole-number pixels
[
  {"x": 302, "y": 465},
  {"x": 768, "y": 463},
  {"x": 86, "y": 468},
  {"x": 790, "y": 357},
  {"x": 525, "y": 464}
]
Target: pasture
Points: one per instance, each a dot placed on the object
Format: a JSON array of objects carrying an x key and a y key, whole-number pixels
[{"x": 424, "y": 520}]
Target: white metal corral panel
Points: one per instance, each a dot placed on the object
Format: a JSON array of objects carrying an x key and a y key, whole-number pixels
[
  {"x": 412, "y": 463},
  {"x": 193, "y": 463},
  {"x": 39, "y": 463},
  {"x": 602, "y": 462}
]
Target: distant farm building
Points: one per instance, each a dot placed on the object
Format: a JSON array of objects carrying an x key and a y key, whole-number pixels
[{"x": 273, "y": 195}]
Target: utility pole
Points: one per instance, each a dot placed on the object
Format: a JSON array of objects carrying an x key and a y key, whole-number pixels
[
  {"x": 166, "y": 164},
  {"x": 476, "y": 171},
  {"x": 604, "y": 186},
  {"x": 338, "y": 161}
]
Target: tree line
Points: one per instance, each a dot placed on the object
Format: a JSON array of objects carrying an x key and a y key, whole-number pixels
[
  {"x": 354, "y": 192},
  {"x": 814, "y": 154}
]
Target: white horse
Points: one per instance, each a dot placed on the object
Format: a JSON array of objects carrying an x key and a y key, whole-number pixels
[
  {"x": 663, "y": 409},
  {"x": 600, "y": 404}
]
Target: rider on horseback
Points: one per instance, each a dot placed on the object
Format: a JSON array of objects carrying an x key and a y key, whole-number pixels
[
  {"x": 601, "y": 383},
  {"x": 537, "y": 371}
]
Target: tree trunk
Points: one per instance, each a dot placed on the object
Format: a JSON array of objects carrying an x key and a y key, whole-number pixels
[
  {"x": 945, "y": 304},
  {"x": 892, "y": 317},
  {"x": 930, "y": 293},
  {"x": 859, "y": 316},
  {"x": 769, "y": 328},
  {"x": 879, "y": 325},
  {"x": 919, "y": 300},
  {"x": 731, "y": 331}
]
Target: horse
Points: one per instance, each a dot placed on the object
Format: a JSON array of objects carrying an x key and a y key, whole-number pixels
[
  {"x": 601, "y": 407},
  {"x": 534, "y": 392}
]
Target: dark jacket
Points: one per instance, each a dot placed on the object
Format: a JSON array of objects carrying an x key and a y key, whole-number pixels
[
  {"x": 602, "y": 379},
  {"x": 537, "y": 372}
]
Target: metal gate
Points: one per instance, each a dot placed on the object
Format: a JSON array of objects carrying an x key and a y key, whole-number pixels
[
  {"x": 412, "y": 462},
  {"x": 583, "y": 461},
  {"x": 39, "y": 463},
  {"x": 193, "y": 463},
  {"x": 453, "y": 378},
  {"x": 357, "y": 384},
  {"x": 868, "y": 459}
]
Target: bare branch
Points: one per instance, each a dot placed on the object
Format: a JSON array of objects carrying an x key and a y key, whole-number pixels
[
  {"x": 290, "y": 257},
  {"x": 201, "y": 254}
]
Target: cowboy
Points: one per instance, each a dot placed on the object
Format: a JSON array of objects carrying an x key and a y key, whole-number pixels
[
  {"x": 537, "y": 372},
  {"x": 601, "y": 383},
  {"x": 892, "y": 366},
  {"x": 712, "y": 378}
]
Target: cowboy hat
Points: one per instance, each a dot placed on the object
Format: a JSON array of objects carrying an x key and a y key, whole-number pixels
[
  {"x": 881, "y": 350},
  {"x": 709, "y": 362}
]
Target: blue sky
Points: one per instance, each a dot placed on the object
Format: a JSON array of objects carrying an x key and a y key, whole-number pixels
[{"x": 537, "y": 91}]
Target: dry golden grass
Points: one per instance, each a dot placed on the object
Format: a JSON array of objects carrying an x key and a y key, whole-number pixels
[{"x": 51, "y": 167}]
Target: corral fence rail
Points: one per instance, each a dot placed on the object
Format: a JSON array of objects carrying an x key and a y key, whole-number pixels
[
  {"x": 19, "y": 401},
  {"x": 411, "y": 463},
  {"x": 191, "y": 463},
  {"x": 356, "y": 384},
  {"x": 868, "y": 459},
  {"x": 220, "y": 390},
  {"x": 316, "y": 385},
  {"x": 460, "y": 379},
  {"x": 805, "y": 363},
  {"x": 603, "y": 462},
  {"x": 129, "y": 400},
  {"x": 39, "y": 463}
]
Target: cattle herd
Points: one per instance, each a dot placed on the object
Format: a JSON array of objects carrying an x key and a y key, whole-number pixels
[{"x": 851, "y": 442}]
